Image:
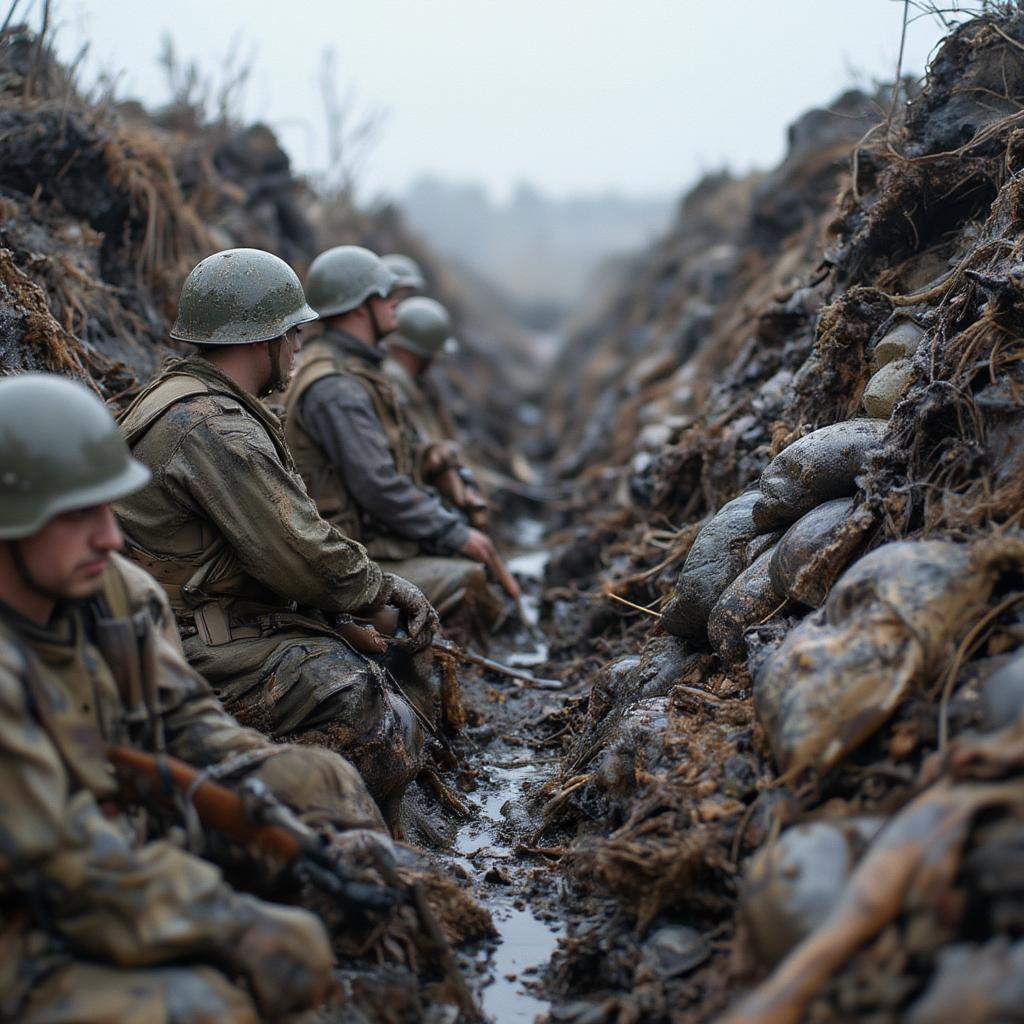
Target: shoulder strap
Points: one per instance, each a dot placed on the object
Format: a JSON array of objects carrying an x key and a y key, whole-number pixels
[
  {"x": 387, "y": 407},
  {"x": 155, "y": 400},
  {"x": 318, "y": 362}
]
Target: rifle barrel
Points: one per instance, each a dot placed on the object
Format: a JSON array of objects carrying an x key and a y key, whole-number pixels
[{"x": 537, "y": 682}]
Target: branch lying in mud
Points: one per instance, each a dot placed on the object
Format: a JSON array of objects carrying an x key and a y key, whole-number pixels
[{"x": 917, "y": 851}]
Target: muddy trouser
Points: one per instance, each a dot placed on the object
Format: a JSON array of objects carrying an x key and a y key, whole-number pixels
[
  {"x": 290, "y": 682},
  {"x": 86, "y": 993},
  {"x": 446, "y": 581}
]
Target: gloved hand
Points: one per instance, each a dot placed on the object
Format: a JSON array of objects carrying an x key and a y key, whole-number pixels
[
  {"x": 439, "y": 457},
  {"x": 284, "y": 954},
  {"x": 420, "y": 616}
]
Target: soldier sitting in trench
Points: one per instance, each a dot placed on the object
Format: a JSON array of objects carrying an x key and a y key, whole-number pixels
[
  {"x": 358, "y": 453},
  {"x": 96, "y": 924},
  {"x": 255, "y": 576},
  {"x": 423, "y": 333}
]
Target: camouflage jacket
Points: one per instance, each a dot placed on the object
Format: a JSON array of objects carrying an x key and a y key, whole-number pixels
[{"x": 68, "y": 857}]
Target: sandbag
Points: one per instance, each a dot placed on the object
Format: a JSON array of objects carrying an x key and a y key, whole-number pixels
[
  {"x": 891, "y": 622},
  {"x": 717, "y": 557},
  {"x": 974, "y": 985},
  {"x": 1002, "y": 694},
  {"x": 900, "y": 342},
  {"x": 790, "y": 886},
  {"x": 814, "y": 469},
  {"x": 749, "y": 599},
  {"x": 815, "y": 550}
]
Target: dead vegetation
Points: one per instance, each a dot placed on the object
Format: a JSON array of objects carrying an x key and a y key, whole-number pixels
[{"x": 840, "y": 340}]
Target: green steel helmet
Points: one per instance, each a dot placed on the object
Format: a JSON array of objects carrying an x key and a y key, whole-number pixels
[
  {"x": 406, "y": 269},
  {"x": 343, "y": 278},
  {"x": 60, "y": 449},
  {"x": 424, "y": 327},
  {"x": 240, "y": 296}
]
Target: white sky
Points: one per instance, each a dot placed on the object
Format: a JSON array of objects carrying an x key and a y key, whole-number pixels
[{"x": 640, "y": 96}]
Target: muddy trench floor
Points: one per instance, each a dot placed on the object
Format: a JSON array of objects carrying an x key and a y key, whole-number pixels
[{"x": 509, "y": 750}]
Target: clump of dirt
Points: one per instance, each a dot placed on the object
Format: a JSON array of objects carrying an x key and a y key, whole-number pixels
[{"x": 832, "y": 360}]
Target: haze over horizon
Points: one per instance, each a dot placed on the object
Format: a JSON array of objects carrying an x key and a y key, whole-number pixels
[{"x": 580, "y": 97}]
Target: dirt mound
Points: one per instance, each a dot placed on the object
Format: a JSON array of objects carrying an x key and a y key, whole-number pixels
[
  {"x": 840, "y": 338},
  {"x": 104, "y": 208}
]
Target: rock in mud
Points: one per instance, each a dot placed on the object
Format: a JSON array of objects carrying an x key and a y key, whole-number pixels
[
  {"x": 675, "y": 950},
  {"x": 891, "y": 622},
  {"x": 974, "y": 985},
  {"x": 1002, "y": 694},
  {"x": 900, "y": 342},
  {"x": 886, "y": 387},
  {"x": 748, "y": 600},
  {"x": 791, "y": 885},
  {"x": 815, "y": 550},
  {"x": 814, "y": 469},
  {"x": 717, "y": 557}
]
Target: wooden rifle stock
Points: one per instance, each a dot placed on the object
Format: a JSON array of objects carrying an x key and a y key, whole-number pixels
[{"x": 142, "y": 776}]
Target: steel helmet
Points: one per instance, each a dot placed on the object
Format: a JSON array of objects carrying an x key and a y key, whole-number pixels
[
  {"x": 240, "y": 296},
  {"x": 406, "y": 269},
  {"x": 60, "y": 449},
  {"x": 343, "y": 278},
  {"x": 424, "y": 327}
]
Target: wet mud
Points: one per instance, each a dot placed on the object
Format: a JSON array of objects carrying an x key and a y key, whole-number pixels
[{"x": 768, "y": 516}]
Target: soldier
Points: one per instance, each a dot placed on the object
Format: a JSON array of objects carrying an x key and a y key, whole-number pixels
[
  {"x": 255, "y": 576},
  {"x": 423, "y": 334},
  {"x": 95, "y": 923},
  {"x": 409, "y": 279},
  {"x": 359, "y": 455}
]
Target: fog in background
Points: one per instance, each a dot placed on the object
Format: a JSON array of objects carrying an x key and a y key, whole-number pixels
[{"x": 529, "y": 139}]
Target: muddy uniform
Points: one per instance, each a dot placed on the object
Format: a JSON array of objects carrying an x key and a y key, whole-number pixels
[
  {"x": 251, "y": 569},
  {"x": 421, "y": 404},
  {"x": 91, "y": 916},
  {"x": 360, "y": 459}
]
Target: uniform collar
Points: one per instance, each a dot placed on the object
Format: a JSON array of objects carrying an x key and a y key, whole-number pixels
[{"x": 352, "y": 346}]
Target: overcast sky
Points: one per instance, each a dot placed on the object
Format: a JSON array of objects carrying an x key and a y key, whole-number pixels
[{"x": 639, "y": 96}]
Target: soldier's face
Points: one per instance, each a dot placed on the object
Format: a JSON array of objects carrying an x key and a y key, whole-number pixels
[
  {"x": 384, "y": 310},
  {"x": 69, "y": 555}
]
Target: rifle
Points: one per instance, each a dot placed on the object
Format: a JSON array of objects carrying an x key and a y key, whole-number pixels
[
  {"x": 374, "y": 636},
  {"x": 256, "y": 818}
]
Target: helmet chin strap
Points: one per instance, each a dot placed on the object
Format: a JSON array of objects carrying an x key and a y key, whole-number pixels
[
  {"x": 277, "y": 380},
  {"x": 374, "y": 322},
  {"x": 26, "y": 577}
]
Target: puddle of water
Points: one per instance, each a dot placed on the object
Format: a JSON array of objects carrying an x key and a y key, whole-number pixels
[
  {"x": 529, "y": 532},
  {"x": 528, "y": 655},
  {"x": 525, "y": 942},
  {"x": 505, "y": 784},
  {"x": 530, "y": 565}
]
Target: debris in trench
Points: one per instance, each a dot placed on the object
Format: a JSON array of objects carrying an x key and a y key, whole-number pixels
[
  {"x": 712, "y": 409},
  {"x": 896, "y": 291}
]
